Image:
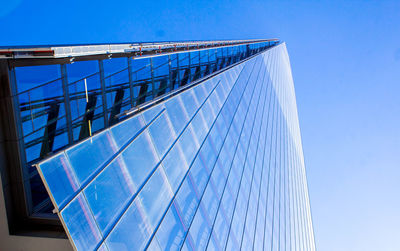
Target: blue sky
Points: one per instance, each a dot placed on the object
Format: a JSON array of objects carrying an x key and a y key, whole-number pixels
[{"x": 345, "y": 59}]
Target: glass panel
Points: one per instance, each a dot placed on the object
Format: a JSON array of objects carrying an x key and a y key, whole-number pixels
[
  {"x": 198, "y": 175},
  {"x": 125, "y": 131},
  {"x": 109, "y": 193},
  {"x": 209, "y": 202},
  {"x": 81, "y": 69},
  {"x": 161, "y": 74},
  {"x": 154, "y": 245},
  {"x": 60, "y": 178},
  {"x": 200, "y": 92},
  {"x": 200, "y": 127},
  {"x": 175, "y": 166},
  {"x": 199, "y": 230},
  {"x": 90, "y": 155},
  {"x": 137, "y": 170},
  {"x": 188, "y": 98},
  {"x": 31, "y": 76},
  {"x": 177, "y": 114},
  {"x": 132, "y": 231},
  {"x": 114, "y": 65},
  {"x": 162, "y": 134},
  {"x": 171, "y": 231},
  {"x": 155, "y": 196},
  {"x": 80, "y": 224},
  {"x": 103, "y": 247},
  {"x": 150, "y": 114},
  {"x": 140, "y": 158},
  {"x": 189, "y": 144},
  {"x": 187, "y": 202},
  {"x": 160, "y": 66},
  {"x": 116, "y": 79}
]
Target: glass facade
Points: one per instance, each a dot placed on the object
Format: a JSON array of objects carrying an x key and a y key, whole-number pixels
[
  {"x": 62, "y": 104},
  {"x": 219, "y": 166}
]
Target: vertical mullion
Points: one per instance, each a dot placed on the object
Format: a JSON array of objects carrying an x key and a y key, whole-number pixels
[
  {"x": 271, "y": 145},
  {"x": 264, "y": 179},
  {"x": 286, "y": 191},
  {"x": 103, "y": 93},
  {"x": 190, "y": 69},
  {"x": 67, "y": 104},
  {"x": 152, "y": 78},
  {"x": 19, "y": 142},
  {"x": 299, "y": 230},
  {"x": 252, "y": 185},
  {"x": 131, "y": 92},
  {"x": 292, "y": 219},
  {"x": 178, "y": 70},
  {"x": 247, "y": 149},
  {"x": 170, "y": 73},
  {"x": 208, "y": 62},
  {"x": 200, "y": 75}
]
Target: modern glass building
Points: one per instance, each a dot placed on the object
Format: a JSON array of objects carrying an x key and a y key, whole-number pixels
[{"x": 158, "y": 146}]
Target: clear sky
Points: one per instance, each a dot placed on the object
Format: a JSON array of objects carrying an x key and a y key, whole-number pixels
[{"x": 345, "y": 59}]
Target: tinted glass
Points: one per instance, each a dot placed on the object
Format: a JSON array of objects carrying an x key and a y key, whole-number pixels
[{"x": 215, "y": 167}]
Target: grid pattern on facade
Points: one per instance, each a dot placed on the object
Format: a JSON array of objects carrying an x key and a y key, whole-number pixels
[
  {"x": 217, "y": 167},
  {"x": 56, "y": 98},
  {"x": 62, "y": 104}
]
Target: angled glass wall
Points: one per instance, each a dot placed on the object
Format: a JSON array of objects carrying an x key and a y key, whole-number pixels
[
  {"x": 62, "y": 104},
  {"x": 218, "y": 166}
]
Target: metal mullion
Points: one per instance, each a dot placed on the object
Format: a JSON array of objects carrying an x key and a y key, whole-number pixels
[
  {"x": 273, "y": 125},
  {"x": 285, "y": 187},
  {"x": 184, "y": 177},
  {"x": 67, "y": 104},
  {"x": 14, "y": 97},
  {"x": 281, "y": 120},
  {"x": 190, "y": 68},
  {"x": 226, "y": 181},
  {"x": 291, "y": 196},
  {"x": 295, "y": 197},
  {"x": 131, "y": 92},
  {"x": 178, "y": 70},
  {"x": 93, "y": 176},
  {"x": 306, "y": 204},
  {"x": 199, "y": 66},
  {"x": 170, "y": 73},
  {"x": 247, "y": 150},
  {"x": 281, "y": 170},
  {"x": 277, "y": 127},
  {"x": 208, "y": 63},
  {"x": 299, "y": 182},
  {"x": 163, "y": 157},
  {"x": 288, "y": 242},
  {"x": 153, "y": 93},
  {"x": 103, "y": 93},
  {"x": 275, "y": 181},
  {"x": 186, "y": 234},
  {"x": 303, "y": 204},
  {"x": 264, "y": 180},
  {"x": 256, "y": 153}
]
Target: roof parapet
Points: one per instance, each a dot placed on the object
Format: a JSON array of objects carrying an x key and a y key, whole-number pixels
[{"x": 137, "y": 49}]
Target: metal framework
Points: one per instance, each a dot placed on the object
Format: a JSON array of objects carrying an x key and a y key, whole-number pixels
[
  {"x": 138, "y": 49},
  {"x": 129, "y": 96}
]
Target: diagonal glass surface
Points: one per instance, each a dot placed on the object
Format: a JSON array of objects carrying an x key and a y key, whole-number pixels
[{"x": 218, "y": 166}]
